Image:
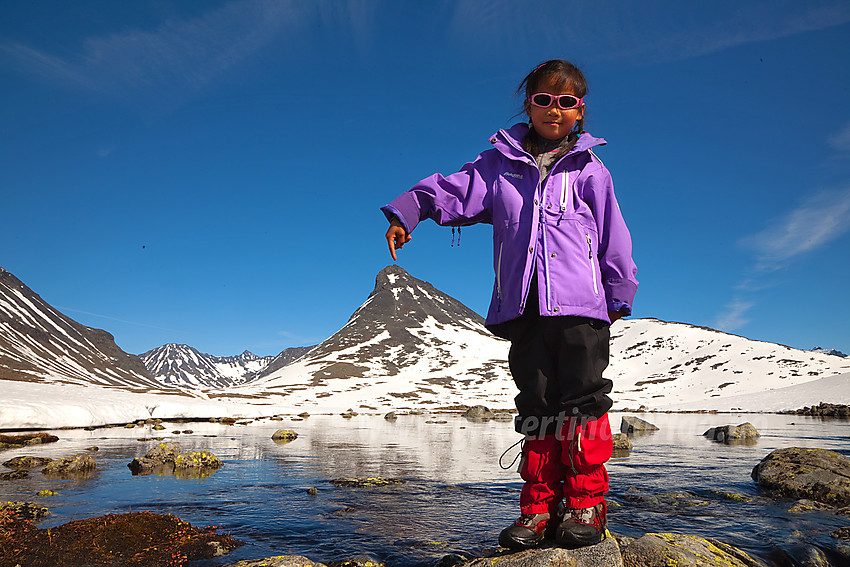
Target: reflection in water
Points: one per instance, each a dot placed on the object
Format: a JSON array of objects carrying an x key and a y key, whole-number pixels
[{"x": 455, "y": 498}]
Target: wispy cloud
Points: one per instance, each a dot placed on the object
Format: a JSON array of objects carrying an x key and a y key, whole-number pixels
[
  {"x": 840, "y": 142},
  {"x": 99, "y": 316},
  {"x": 649, "y": 32},
  {"x": 732, "y": 318},
  {"x": 819, "y": 220},
  {"x": 177, "y": 56},
  {"x": 804, "y": 230}
]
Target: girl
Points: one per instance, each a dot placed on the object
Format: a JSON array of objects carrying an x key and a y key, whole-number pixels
[{"x": 564, "y": 271}]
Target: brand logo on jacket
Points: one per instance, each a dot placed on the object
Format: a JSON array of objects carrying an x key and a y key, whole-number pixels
[{"x": 514, "y": 175}]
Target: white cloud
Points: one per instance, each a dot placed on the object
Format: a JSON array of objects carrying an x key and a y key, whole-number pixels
[
  {"x": 733, "y": 318},
  {"x": 649, "y": 31},
  {"x": 840, "y": 142},
  {"x": 176, "y": 57},
  {"x": 821, "y": 219}
]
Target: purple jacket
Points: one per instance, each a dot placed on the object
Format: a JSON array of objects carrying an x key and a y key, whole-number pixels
[{"x": 570, "y": 230}]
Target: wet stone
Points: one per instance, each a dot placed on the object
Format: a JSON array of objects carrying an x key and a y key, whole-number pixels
[
  {"x": 630, "y": 424},
  {"x": 24, "y": 510},
  {"x": 684, "y": 551},
  {"x": 26, "y": 440},
  {"x": 26, "y": 462},
  {"x": 729, "y": 434},
  {"x": 478, "y": 413},
  {"x": 364, "y": 482},
  {"x": 75, "y": 465},
  {"x": 813, "y": 474}
]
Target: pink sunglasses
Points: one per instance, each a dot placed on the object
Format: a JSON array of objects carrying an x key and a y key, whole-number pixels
[{"x": 565, "y": 102}]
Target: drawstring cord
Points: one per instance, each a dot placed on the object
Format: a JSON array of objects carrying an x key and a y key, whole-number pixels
[
  {"x": 453, "y": 236},
  {"x": 518, "y": 455}
]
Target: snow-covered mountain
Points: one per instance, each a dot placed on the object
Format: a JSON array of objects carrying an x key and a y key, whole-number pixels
[
  {"x": 410, "y": 345},
  {"x": 664, "y": 365},
  {"x": 182, "y": 366},
  {"x": 40, "y": 344}
]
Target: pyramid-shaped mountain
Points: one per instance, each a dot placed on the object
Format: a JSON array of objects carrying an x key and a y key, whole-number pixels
[
  {"x": 407, "y": 340},
  {"x": 40, "y": 344},
  {"x": 182, "y": 366}
]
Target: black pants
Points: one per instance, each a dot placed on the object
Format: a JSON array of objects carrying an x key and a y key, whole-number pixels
[{"x": 557, "y": 364}]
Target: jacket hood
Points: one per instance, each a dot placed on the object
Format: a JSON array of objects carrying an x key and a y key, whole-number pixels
[{"x": 509, "y": 142}]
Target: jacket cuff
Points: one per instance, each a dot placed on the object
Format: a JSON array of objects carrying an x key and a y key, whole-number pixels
[
  {"x": 620, "y": 294},
  {"x": 405, "y": 208}
]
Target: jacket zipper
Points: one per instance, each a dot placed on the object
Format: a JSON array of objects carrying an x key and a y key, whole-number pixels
[
  {"x": 592, "y": 263},
  {"x": 499, "y": 274}
]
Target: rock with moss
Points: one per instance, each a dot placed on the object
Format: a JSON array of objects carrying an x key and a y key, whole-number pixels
[
  {"x": 662, "y": 550},
  {"x": 734, "y": 434},
  {"x": 390, "y": 416},
  {"x": 15, "y": 475},
  {"x": 26, "y": 462},
  {"x": 813, "y": 474},
  {"x": 166, "y": 459},
  {"x": 80, "y": 464},
  {"x": 284, "y": 436},
  {"x": 197, "y": 460},
  {"x": 622, "y": 444},
  {"x": 603, "y": 554},
  {"x": 24, "y": 510},
  {"x": 26, "y": 440},
  {"x": 279, "y": 561},
  {"x": 631, "y": 425}
]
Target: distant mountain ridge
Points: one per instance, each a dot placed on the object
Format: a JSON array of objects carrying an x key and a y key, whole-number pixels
[
  {"x": 182, "y": 366},
  {"x": 40, "y": 344}
]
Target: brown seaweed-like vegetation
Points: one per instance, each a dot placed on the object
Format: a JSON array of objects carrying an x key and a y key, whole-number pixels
[{"x": 137, "y": 539}]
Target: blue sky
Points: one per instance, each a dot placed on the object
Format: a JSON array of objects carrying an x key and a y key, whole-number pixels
[{"x": 211, "y": 173}]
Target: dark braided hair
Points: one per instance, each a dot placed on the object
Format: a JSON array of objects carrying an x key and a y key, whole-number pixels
[{"x": 564, "y": 75}]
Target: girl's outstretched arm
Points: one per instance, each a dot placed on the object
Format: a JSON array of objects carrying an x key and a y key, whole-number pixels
[{"x": 397, "y": 237}]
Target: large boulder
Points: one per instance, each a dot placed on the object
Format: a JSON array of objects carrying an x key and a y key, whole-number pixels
[
  {"x": 603, "y": 554},
  {"x": 631, "y": 424},
  {"x": 75, "y": 465},
  {"x": 663, "y": 550},
  {"x": 729, "y": 434},
  {"x": 166, "y": 458},
  {"x": 815, "y": 474}
]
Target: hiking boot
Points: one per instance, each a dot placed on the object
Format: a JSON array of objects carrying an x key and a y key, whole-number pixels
[
  {"x": 582, "y": 526},
  {"x": 528, "y": 531}
]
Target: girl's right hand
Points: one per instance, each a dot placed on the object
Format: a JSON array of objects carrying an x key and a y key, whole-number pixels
[{"x": 397, "y": 237}]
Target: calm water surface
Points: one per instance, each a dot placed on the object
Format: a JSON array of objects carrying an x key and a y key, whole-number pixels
[{"x": 455, "y": 498}]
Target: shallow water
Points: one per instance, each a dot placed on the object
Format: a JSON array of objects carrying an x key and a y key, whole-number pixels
[{"x": 455, "y": 497}]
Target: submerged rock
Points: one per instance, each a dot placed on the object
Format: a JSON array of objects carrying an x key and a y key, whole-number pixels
[
  {"x": 814, "y": 474},
  {"x": 284, "y": 436},
  {"x": 657, "y": 550},
  {"x": 622, "y": 444},
  {"x": 26, "y": 462},
  {"x": 363, "y": 482},
  {"x": 25, "y": 440},
  {"x": 390, "y": 416},
  {"x": 80, "y": 464},
  {"x": 166, "y": 458},
  {"x": 631, "y": 424},
  {"x": 14, "y": 475},
  {"x": 279, "y": 561},
  {"x": 478, "y": 413},
  {"x": 729, "y": 434}
]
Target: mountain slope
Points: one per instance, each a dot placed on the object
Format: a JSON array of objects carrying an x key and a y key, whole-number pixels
[
  {"x": 408, "y": 344},
  {"x": 40, "y": 344}
]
